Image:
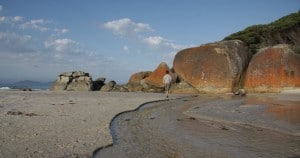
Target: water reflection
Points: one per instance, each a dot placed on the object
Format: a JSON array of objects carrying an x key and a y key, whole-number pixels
[
  {"x": 205, "y": 127},
  {"x": 287, "y": 111},
  {"x": 283, "y": 109}
]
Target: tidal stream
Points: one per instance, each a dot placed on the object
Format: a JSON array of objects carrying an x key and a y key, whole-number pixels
[{"x": 206, "y": 127}]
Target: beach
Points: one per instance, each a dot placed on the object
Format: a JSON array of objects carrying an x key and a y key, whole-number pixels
[
  {"x": 209, "y": 126},
  {"x": 76, "y": 124},
  {"x": 60, "y": 124}
]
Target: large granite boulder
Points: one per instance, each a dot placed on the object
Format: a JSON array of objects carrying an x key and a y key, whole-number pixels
[
  {"x": 98, "y": 83},
  {"x": 273, "y": 69},
  {"x": 143, "y": 87},
  {"x": 109, "y": 86},
  {"x": 135, "y": 80},
  {"x": 148, "y": 81},
  {"x": 156, "y": 77},
  {"x": 135, "y": 87},
  {"x": 73, "y": 81},
  {"x": 215, "y": 67},
  {"x": 137, "y": 77},
  {"x": 120, "y": 88},
  {"x": 184, "y": 88}
]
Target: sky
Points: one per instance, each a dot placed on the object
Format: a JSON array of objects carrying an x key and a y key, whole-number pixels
[{"x": 40, "y": 39}]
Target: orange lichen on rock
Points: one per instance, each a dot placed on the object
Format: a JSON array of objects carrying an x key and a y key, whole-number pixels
[
  {"x": 137, "y": 77},
  {"x": 156, "y": 77},
  {"x": 272, "y": 69},
  {"x": 213, "y": 68}
]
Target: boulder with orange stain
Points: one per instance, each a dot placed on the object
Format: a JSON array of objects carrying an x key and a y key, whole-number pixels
[
  {"x": 137, "y": 77},
  {"x": 156, "y": 77},
  {"x": 273, "y": 69},
  {"x": 215, "y": 67}
]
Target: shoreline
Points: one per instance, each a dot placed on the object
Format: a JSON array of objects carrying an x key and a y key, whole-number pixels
[
  {"x": 133, "y": 110},
  {"x": 126, "y": 134},
  {"x": 112, "y": 120},
  {"x": 70, "y": 124},
  {"x": 270, "y": 112}
]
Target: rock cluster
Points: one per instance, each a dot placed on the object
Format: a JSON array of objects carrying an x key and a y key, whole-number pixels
[
  {"x": 82, "y": 81},
  {"x": 225, "y": 67},
  {"x": 152, "y": 81},
  {"x": 221, "y": 67},
  {"x": 148, "y": 81},
  {"x": 73, "y": 81}
]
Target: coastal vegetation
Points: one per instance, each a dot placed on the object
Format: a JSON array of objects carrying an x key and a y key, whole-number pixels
[{"x": 277, "y": 32}]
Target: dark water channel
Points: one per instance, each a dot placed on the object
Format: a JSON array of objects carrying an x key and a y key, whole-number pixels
[{"x": 162, "y": 130}]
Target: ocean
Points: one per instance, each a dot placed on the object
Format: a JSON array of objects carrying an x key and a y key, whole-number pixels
[{"x": 26, "y": 85}]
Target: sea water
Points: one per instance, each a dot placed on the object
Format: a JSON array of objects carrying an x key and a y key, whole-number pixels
[{"x": 36, "y": 87}]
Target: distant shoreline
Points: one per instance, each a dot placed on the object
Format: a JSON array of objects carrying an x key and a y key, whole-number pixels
[
  {"x": 37, "y": 87},
  {"x": 23, "y": 89}
]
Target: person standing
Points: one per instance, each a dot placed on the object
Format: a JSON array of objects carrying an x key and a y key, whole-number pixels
[{"x": 167, "y": 79}]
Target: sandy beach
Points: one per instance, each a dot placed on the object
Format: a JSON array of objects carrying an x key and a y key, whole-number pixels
[
  {"x": 60, "y": 124},
  {"x": 75, "y": 124}
]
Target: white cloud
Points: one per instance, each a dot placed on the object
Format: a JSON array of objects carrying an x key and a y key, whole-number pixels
[
  {"x": 1, "y": 8},
  {"x": 61, "y": 31},
  {"x": 167, "y": 49},
  {"x": 11, "y": 20},
  {"x": 9, "y": 36},
  {"x": 60, "y": 45},
  {"x": 17, "y": 18},
  {"x": 2, "y": 18},
  {"x": 126, "y": 27},
  {"x": 154, "y": 40},
  {"x": 14, "y": 42},
  {"x": 35, "y": 24},
  {"x": 126, "y": 49},
  {"x": 160, "y": 42}
]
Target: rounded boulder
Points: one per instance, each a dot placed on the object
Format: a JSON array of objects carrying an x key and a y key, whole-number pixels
[
  {"x": 215, "y": 67},
  {"x": 273, "y": 69}
]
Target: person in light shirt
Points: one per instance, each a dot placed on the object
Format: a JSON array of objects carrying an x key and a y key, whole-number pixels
[{"x": 167, "y": 79}]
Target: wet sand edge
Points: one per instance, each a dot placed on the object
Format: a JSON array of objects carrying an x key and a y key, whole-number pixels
[
  {"x": 261, "y": 109},
  {"x": 124, "y": 112}
]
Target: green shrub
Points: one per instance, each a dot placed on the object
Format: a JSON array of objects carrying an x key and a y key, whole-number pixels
[
  {"x": 255, "y": 35},
  {"x": 296, "y": 49}
]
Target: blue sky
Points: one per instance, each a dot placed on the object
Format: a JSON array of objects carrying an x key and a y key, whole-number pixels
[{"x": 39, "y": 39}]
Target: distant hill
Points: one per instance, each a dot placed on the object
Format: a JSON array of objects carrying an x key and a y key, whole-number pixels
[
  {"x": 31, "y": 84},
  {"x": 285, "y": 30},
  {"x": 27, "y": 82}
]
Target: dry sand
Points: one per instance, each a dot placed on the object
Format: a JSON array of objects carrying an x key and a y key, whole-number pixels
[{"x": 60, "y": 124}]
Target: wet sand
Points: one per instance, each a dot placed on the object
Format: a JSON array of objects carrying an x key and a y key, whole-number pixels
[
  {"x": 60, "y": 124},
  {"x": 259, "y": 125},
  {"x": 75, "y": 124}
]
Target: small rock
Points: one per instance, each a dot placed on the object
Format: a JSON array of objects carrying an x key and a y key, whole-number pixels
[
  {"x": 192, "y": 118},
  {"x": 31, "y": 114},
  {"x": 14, "y": 113},
  {"x": 224, "y": 128}
]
